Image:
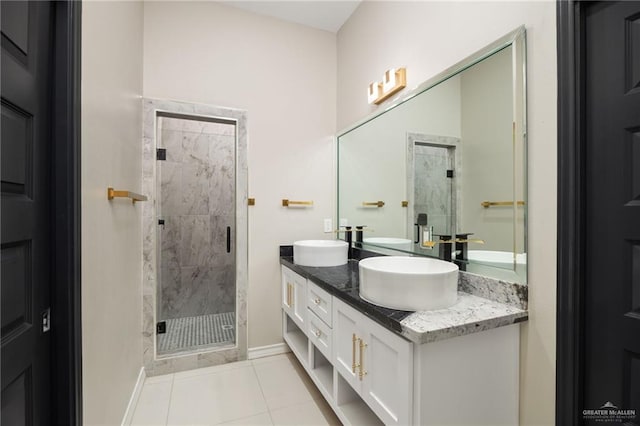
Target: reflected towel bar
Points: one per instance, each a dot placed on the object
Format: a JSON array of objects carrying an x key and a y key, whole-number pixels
[
  {"x": 373, "y": 204},
  {"x": 457, "y": 240},
  {"x": 113, "y": 193},
  {"x": 487, "y": 204},
  {"x": 287, "y": 203}
]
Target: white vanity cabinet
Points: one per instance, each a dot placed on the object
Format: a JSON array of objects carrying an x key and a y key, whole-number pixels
[
  {"x": 370, "y": 375},
  {"x": 377, "y": 363},
  {"x": 294, "y": 296}
]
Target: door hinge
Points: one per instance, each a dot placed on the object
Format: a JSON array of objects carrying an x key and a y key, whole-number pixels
[
  {"x": 46, "y": 320},
  {"x": 161, "y": 154}
]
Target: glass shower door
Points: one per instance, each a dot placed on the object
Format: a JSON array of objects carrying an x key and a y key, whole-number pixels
[
  {"x": 196, "y": 292},
  {"x": 434, "y": 186}
]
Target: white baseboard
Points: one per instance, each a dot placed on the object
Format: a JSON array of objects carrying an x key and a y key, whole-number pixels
[
  {"x": 133, "y": 401},
  {"x": 269, "y": 350}
]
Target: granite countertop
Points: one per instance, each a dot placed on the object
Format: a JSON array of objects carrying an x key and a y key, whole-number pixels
[{"x": 472, "y": 313}]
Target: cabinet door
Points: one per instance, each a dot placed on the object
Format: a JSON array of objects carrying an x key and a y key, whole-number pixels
[
  {"x": 299, "y": 299},
  {"x": 345, "y": 342},
  {"x": 287, "y": 289},
  {"x": 386, "y": 360}
]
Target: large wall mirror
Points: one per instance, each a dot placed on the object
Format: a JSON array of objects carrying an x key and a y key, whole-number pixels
[{"x": 446, "y": 163}]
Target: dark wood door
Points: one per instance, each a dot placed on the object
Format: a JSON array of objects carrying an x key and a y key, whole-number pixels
[
  {"x": 26, "y": 211},
  {"x": 612, "y": 243}
]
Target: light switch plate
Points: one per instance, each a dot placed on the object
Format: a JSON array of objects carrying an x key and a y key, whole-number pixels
[{"x": 327, "y": 225}]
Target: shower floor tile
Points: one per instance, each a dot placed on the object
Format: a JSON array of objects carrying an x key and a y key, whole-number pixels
[{"x": 194, "y": 333}]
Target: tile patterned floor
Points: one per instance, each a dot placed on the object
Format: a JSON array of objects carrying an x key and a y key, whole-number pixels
[
  {"x": 267, "y": 391},
  {"x": 193, "y": 333}
]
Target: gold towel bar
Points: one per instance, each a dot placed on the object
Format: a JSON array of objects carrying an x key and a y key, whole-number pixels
[
  {"x": 114, "y": 193},
  {"x": 487, "y": 204},
  {"x": 373, "y": 204},
  {"x": 433, "y": 243},
  {"x": 287, "y": 203}
]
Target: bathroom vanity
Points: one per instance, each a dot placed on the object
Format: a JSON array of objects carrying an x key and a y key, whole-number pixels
[{"x": 374, "y": 365}]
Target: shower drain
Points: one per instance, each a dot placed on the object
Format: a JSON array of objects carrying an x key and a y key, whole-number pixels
[{"x": 226, "y": 327}]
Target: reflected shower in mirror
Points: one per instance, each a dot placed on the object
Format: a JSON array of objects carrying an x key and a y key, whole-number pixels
[{"x": 446, "y": 164}]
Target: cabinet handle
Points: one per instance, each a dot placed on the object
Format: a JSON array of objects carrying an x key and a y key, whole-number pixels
[
  {"x": 361, "y": 365},
  {"x": 293, "y": 295},
  {"x": 318, "y": 333},
  {"x": 316, "y": 301},
  {"x": 289, "y": 294},
  {"x": 353, "y": 353}
]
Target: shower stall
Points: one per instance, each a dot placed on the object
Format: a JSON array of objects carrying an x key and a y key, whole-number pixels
[
  {"x": 195, "y": 235},
  {"x": 196, "y": 218},
  {"x": 433, "y": 166},
  {"x": 434, "y": 191}
]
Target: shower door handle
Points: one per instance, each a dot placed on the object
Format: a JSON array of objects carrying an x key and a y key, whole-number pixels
[{"x": 228, "y": 239}]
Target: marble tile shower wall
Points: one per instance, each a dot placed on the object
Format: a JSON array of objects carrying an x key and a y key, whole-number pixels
[
  {"x": 197, "y": 204},
  {"x": 432, "y": 187}
]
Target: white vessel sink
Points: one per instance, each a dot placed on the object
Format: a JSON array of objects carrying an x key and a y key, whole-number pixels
[
  {"x": 320, "y": 252},
  {"x": 408, "y": 283},
  {"x": 391, "y": 243},
  {"x": 496, "y": 257}
]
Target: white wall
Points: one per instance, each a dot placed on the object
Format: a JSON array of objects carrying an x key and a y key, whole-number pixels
[
  {"x": 284, "y": 75},
  {"x": 111, "y": 231},
  {"x": 427, "y": 38}
]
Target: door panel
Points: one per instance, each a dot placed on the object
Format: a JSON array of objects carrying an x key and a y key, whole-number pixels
[
  {"x": 16, "y": 289},
  {"x": 387, "y": 386},
  {"x": 345, "y": 341},
  {"x": 300, "y": 301},
  {"x": 612, "y": 249},
  {"x": 17, "y": 164},
  {"x": 26, "y": 210}
]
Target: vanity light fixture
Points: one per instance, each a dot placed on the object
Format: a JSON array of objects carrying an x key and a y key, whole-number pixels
[
  {"x": 375, "y": 91},
  {"x": 394, "y": 80}
]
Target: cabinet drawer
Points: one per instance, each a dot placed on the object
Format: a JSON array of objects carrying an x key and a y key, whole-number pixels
[
  {"x": 319, "y": 302},
  {"x": 319, "y": 334}
]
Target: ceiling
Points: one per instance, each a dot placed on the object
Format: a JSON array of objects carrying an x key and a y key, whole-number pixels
[{"x": 328, "y": 15}]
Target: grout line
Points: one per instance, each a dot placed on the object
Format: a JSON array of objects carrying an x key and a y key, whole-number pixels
[
  {"x": 166, "y": 419},
  {"x": 261, "y": 390}
]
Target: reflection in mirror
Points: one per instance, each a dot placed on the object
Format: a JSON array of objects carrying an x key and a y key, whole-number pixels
[{"x": 443, "y": 173}]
